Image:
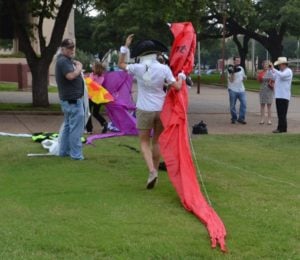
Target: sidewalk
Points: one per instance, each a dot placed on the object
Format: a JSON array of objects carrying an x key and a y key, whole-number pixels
[{"x": 211, "y": 106}]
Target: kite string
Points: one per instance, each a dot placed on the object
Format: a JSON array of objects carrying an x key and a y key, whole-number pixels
[{"x": 194, "y": 154}]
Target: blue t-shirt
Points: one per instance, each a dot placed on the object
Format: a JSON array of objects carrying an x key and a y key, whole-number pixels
[{"x": 67, "y": 89}]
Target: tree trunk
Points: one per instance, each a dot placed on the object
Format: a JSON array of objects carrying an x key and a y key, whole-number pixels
[
  {"x": 40, "y": 80},
  {"x": 38, "y": 62},
  {"x": 273, "y": 44},
  {"x": 275, "y": 50},
  {"x": 243, "y": 49}
]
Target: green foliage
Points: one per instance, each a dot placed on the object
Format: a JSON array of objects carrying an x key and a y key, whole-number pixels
[
  {"x": 8, "y": 86},
  {"x": 290, "y": 14},
  {"x": 146, "y": 19},
  {"x": 266, "y": 21},
  {"x": 14, "y": 107},
  {"x": 84, "y": 7},
  {"x": 250, "y": 84},
  {"x": 56, "y": 208},
  {"x": 46, "y": 8},
  {"x": 85, "y": 58},
  {"x": 6, "y": 43},
  {"x": 84, "y": 30},
  {"x": 14, "y": 55}
]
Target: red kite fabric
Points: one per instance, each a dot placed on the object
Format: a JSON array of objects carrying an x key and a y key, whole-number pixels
[{"x": 174, "y": 141}]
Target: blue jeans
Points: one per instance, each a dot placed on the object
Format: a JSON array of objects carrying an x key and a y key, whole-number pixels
[
  {"x": 70, "y": 140},
  {"x": 233, "y": 97}
]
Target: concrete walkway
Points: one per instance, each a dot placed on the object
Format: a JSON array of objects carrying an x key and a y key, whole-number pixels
[{"x": 211, "y": 106}]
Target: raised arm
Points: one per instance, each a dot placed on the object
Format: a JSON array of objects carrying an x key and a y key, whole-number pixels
[{"x": 123, "y": 52}]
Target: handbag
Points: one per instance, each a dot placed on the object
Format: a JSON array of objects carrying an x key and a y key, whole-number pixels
[{"x": 271, "y": 84}]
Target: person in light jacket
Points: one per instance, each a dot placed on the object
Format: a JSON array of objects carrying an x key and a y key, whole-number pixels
[{"x": 282, "y": 92}]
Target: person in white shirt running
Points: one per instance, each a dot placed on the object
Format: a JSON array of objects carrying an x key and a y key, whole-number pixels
[{"x": 151, "y": 77}]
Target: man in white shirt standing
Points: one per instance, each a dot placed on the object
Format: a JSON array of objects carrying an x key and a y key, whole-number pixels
[
  {"x": 236, "y": 90},
  {"x": 151, "y": 77},
  {"x": 282, "y": 89}
]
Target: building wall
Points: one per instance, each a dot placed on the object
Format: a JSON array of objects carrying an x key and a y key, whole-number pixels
[{"x": 47, "y": 29}]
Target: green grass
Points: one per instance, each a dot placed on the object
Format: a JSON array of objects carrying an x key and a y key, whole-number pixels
[
  {"x": 55, "y": 208},
  {"x": 8, "y": 86},
  {"x": 250, "y": 84},
  {"x": 14, "y": 87},
  {"x": 52, "y": 89},
  {"x": 27, "y": 107}
]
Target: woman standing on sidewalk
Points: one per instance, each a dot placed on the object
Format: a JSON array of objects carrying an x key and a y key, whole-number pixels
[{"x": 266, "y": 93}]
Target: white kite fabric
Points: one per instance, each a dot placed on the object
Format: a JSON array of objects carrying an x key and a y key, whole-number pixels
[
  {"x": 51, "y": 145},
  {"x": 15, "y": 135}
]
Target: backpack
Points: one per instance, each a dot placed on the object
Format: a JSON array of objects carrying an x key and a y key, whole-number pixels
[{"x": 200, "y": 128}]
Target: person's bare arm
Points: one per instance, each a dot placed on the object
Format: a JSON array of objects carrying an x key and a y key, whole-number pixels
[
  {"x": 123, "y": 51},
  {"x": 74, "y": 74},
  {"x": 178, "y": 84}
]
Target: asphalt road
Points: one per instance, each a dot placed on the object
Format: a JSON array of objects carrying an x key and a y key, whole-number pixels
[{"x": 211, "y": 106}]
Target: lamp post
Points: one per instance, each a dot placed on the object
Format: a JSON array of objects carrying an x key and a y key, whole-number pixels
[
  {"x": 253, "y": 57},
  {"x": 199, "y": 64},
  {"x": 223, "y": 10},
  {"x": 298, "y": 45}
]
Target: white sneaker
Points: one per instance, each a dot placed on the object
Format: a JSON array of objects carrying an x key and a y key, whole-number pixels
[{"x": 152, "y": 179}]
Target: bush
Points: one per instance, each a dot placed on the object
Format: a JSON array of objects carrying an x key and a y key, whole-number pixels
[
  {"x": 13, "y": 55},
  {"x": 85, "y": 58}
]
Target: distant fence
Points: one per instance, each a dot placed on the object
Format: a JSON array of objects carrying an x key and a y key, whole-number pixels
[{"x": 15, "y": 73}]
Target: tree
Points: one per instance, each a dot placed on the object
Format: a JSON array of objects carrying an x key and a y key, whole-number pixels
[
  {"x": 146, "y": 19},
  {"x": 84, "y": 30},
  {"x": 26, "y": 29},
  {"x": 85, "y": 7},
  {"x": 266, "y": 21}
]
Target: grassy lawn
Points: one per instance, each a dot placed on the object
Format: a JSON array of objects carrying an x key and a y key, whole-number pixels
[
  {"x": 55, "y": 208},
  {"x": 250, "y": 84},
  {"x": 14, "y": 87},
  {"x": 8, "y": 86},
  {"x": 27, "y": 107}
]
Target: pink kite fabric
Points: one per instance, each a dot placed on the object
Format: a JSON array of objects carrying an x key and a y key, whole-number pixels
[
  {"x": 174, "y": 141},
  {"x": 121, "y": 110}
]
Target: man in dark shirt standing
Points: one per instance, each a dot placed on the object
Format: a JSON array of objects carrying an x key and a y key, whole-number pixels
[{"x": 71, "y": 90}]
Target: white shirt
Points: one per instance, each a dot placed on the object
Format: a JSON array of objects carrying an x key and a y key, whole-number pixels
[
  {"x": 151, "y": 76},
  {"x": 283, "y": 83},
  {"x": 237, "y": 85}
]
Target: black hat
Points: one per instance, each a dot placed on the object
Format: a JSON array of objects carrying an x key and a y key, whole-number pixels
[
  {"x": 67, "y": 43},
  {"x": 146, "y": 47}
]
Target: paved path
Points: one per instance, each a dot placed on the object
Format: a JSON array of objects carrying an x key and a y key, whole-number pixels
[{"x": 211, "y": 106}]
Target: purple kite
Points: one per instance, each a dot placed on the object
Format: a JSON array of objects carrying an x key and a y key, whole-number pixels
[{"x": 121, "y": 110}]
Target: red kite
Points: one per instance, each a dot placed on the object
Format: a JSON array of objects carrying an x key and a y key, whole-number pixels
[{"x": 174, "y": 141}]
